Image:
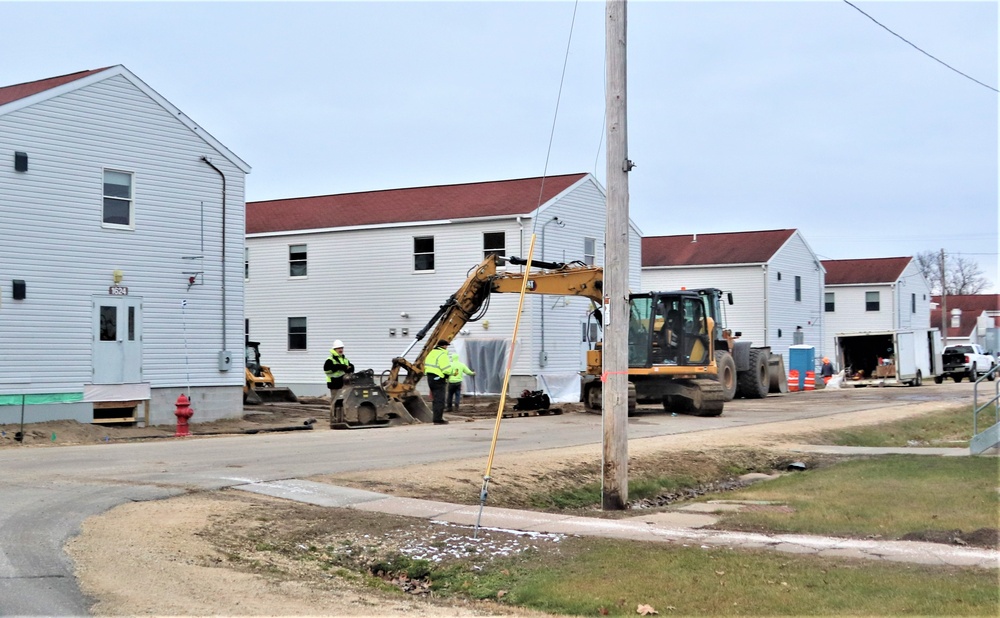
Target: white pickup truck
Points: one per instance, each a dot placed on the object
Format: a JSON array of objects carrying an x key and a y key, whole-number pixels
[{"x": 965, "y": 361}]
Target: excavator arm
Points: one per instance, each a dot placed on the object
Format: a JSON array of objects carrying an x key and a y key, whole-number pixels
[{"x": 468, "y": 303}]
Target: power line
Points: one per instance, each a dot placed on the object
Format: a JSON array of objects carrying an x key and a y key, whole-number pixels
[
  {"x": 920, "y": 50},
  {"x": 555, "y": 115}
]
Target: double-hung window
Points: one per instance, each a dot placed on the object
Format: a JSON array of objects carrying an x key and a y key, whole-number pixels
[
  {"x": 119, "y": 207},
  {"x": 423, "y": 253},
  {"x": 494, "y": 243},
  {"x": 297, "y": 261},
  {"x": 589, "y": 251},
  {"x": 297, "y": 333},
  {"x": 798, "y": 288},
  {"x": 871, "y": 301},
  {"x": 829, "y": 302}
]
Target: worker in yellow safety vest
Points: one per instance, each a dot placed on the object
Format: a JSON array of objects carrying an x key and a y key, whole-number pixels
[
  {"x": 336, "y": 367},
  {"x": 437, "y": 366},
  {"x": 458, "y": 372}
]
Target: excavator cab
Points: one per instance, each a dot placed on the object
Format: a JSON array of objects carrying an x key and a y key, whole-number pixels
[
  {"x": 670, "y": 356},
  {"x": 668, "y": 329}
]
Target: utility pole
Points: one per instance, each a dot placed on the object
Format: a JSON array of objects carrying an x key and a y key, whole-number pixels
[
  {"x": 614, "y": 489},
  {"x": 945, "y": 319}
]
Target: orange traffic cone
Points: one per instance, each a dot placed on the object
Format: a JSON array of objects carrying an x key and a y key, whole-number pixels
[
  {"x": 810, "y": 384},
  {"x": 793, "y": 380}
]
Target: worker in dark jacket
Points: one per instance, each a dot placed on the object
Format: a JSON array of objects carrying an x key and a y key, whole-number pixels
[
  {"x": 437, "y": 367},
  {"x": 336, "y": 367},
  {"x": 826, "y": 370}
]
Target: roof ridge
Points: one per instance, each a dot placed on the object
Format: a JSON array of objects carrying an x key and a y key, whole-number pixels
[{"x": 438, "y": 186}]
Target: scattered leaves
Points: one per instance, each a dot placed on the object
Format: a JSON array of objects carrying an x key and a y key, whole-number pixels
[{"x": 645, "y": 610}]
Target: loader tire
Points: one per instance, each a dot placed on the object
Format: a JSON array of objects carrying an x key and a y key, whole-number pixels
[
  {"x": 754, "y": 382},
  {"x": 727, "y": 374}
]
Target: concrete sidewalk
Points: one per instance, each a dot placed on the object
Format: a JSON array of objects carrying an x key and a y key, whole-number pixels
[{"x": 682, "y": 526}]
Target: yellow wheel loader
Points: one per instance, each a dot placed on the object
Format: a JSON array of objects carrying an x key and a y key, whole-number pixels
[{"x": 259, "y": 386}]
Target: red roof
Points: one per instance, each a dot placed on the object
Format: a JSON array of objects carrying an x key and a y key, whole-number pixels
[
  {"x": 479, "y": 199},
  {"x": 20, "y": 91},
  {"x": 972, "y": 306},
  {"x": 869, "y": 270},
  {"x": 702, "y": 249}
]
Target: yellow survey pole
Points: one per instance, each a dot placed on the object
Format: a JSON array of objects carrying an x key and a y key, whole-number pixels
[{"x": 503, "y": 391}]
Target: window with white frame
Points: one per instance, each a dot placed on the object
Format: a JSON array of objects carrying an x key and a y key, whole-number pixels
[
  {"x": 423, "y": 253},
  {"x": 913, "y": 303},
  {"x": 494, "y": 243},
  {"x": 118, "y": 203},
  {"x": 798, "y": 288},
  {"x": 297, "y": 333},
  {"x": 871, "y": 301},
  {"x": 246, "y": 263},
  {"x": 829, "y": 302},
  {"x": 297, "y": 261},
  {"x": 589, "y": 251}
]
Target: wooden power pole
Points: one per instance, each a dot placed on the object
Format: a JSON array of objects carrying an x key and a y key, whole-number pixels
[
  {"x": 945, "y": 320},
  {"x": 614, "y": 490}
]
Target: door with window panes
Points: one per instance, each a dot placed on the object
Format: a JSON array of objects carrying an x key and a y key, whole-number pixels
[{"x": 117, "y": 354}]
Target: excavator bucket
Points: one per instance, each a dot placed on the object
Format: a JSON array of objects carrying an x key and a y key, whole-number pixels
[{"x": 418, "y": 409}]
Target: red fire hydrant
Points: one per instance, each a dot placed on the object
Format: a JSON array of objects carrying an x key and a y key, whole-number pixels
[{"x": 183, "y": 413}]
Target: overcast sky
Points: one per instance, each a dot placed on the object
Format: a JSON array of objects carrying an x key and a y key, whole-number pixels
[{"x": 741, "y": 115}]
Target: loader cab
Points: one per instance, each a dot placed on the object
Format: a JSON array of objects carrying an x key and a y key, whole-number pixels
[
  {"x": 253, "y": 358},
  {"x": 668, "y": 329}
]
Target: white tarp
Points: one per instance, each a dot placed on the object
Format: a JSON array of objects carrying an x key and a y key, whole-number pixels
[{"x": 560, "y": 387}]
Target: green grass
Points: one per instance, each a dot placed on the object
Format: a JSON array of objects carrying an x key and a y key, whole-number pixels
[
  {"x": 597, "y": 576},
  {"x": 888, "y": 496},
  {"x": 952, "y": 428},
  {"x": 592, "y": 577}
]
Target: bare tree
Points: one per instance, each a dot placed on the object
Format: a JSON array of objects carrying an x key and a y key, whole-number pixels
[{"x": 963, "y": 275}]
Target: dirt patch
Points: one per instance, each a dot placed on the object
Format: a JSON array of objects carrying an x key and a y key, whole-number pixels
[
  {"x": 311, "y": 414},
  {"x": 983, "y": 537},
  {"x": 229, "y": 553}
]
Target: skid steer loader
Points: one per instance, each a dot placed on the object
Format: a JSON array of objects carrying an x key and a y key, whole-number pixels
[{"x": 259, "y": 386}]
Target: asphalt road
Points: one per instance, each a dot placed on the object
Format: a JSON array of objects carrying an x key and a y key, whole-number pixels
[{"x": 46, "y": 492}]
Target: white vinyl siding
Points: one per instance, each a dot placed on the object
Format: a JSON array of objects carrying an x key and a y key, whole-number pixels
[
  {"x": 56, "y": 208},
  {"x": 795, "y": 259}
]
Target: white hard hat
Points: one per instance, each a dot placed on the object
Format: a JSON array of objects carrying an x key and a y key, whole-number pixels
[{"x": 337, "y": 343}]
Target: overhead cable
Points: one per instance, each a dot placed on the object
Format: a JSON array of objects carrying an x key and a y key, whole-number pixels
[{"x": 920, "y": 50}]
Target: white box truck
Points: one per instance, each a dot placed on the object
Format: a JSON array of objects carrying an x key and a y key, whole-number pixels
[{"x": 889, "y": 357}]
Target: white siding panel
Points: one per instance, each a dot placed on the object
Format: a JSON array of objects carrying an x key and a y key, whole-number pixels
[
  {"x": 745, "y": 315},
  {"x": 55, "y": 242},
  {"x": 785, "y": 314}
]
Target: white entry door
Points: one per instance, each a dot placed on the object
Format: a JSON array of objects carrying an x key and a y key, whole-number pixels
[{"x": 117, "y": 357}]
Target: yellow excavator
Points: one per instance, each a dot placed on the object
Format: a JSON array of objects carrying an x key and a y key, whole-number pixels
[{"x": 670, "y": 346}]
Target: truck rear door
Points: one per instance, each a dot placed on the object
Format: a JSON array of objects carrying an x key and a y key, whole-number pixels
[{"x": 906, "y": 356}]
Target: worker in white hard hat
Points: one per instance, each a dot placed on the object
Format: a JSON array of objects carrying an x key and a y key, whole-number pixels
[{"x": 336, "y": 367}]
